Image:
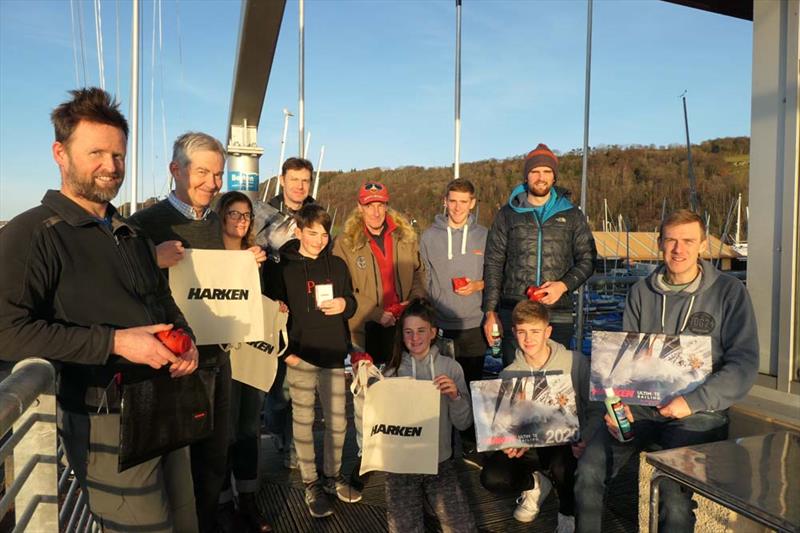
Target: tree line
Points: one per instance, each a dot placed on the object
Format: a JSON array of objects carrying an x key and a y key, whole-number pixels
[{"x": 635, "y": 181}]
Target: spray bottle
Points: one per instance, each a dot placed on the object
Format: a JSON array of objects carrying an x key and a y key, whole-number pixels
[
  {"x": 497, "y": 340},
  {"x": 616, "y": 411}
]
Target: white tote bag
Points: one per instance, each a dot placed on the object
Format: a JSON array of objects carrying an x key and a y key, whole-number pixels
[
  {"x": 219, "y": 293},
  {"x": 401, "y": 427},
  {"x": 256, "y": 363}
]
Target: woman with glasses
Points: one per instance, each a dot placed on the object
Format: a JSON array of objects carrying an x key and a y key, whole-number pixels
[{"x": 236, "y": 211}]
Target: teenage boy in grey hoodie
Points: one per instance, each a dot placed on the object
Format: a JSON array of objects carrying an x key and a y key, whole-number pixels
[
  {"x": 453, "y": 248},
  {"x": 523, "y": 470},
  {"x": 690, "y": 296}
]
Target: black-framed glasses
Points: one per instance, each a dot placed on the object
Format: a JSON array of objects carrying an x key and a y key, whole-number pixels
[
  {"x": 371, "y": 186},
  {"x": 237, "y": 216}
]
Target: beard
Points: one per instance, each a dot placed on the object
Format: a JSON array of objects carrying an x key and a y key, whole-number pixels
[
  {"x": 538, "y": 191},
  {"x": 87, "y": 187}
]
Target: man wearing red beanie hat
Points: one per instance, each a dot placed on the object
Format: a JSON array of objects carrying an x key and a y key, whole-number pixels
[
  {"x": 539, "y": 240},
  {"x": 539, "y": 247}
]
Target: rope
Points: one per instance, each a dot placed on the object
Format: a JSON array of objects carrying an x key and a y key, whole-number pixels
[
  {"x": 74, "y": 44},
  {"x": 83, "y": 48},
  {"x": 98, "y": 32}
]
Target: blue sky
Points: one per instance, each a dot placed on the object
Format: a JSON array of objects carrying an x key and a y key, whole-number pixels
[{"x": 379, "y": 79}]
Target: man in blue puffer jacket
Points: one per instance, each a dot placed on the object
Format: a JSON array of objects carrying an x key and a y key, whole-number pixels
[{"x": 539, "y": 239}]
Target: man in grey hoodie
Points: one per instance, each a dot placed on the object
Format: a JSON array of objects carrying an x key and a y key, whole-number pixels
[{"x": 690, "y": 296}]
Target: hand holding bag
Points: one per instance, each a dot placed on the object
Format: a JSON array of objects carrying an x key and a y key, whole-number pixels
[{"x": 161, "y": 414}]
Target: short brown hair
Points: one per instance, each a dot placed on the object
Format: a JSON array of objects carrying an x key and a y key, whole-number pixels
[
  {"x": 460, "y": 185},
  {"x": 528, "y": 311},
  {"x": 296, "y": 163},
  {"x": 682, "y": 216},
  {"x": 311, "y": 214},
  {"x": 91, "y": 104}
]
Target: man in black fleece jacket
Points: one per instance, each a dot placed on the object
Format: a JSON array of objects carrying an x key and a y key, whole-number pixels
[
  {"x": 80, "y": 287},
  {"x": 185, "y": 220},
  {"x": 317, "y": 288}
]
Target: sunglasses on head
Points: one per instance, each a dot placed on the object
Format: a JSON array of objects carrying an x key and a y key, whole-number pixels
[{"x": 371, "y": 186}]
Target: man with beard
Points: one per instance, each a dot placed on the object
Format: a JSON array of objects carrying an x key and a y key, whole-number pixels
[
  {"x": 185, "y": 220},
  {"x": 80, "y": 287},
  {"x": 539, "y": 240}
]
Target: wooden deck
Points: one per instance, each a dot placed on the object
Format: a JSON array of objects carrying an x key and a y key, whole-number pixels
[{"x": 282, "y": 498}]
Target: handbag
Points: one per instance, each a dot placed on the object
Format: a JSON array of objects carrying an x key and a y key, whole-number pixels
[{"x": 161, "y": 414}]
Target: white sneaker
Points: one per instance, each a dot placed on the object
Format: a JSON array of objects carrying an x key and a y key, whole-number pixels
[
  {"x": 566, "y": 524},
  {"x": 529, "y": 501}
]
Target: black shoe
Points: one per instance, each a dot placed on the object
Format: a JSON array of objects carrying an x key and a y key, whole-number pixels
[
  {"x": 472, "y": 457},
  {"x": 227, "y": 521},
  {"x": 356, "y": 480},
  {"x": 317, "y": 501},
  {"x": 251, "y": 514}
]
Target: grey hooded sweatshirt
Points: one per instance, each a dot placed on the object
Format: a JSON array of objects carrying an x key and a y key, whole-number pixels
[
  {"x": 715, "y": 304},
  {"x": 456, "y": 412},
  {"x": 454, "y": 253},
  {"x": 577, "y": 366}
]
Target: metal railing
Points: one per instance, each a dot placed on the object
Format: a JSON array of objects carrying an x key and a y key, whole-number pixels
[{"x": 42, "y": 499}]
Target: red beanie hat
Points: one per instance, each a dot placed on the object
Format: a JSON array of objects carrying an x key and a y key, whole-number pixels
[{"x": 541, "y": 156}]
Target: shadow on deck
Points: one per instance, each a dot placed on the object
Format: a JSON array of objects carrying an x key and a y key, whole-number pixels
[{"x": 282, "y": 498}]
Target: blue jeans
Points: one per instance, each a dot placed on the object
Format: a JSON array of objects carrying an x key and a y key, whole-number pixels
[{"x": 604, "y": 456}]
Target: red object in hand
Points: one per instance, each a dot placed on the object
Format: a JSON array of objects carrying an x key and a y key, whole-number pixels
[
  {"x": 396, "y": 310},
  {"x": 357, "y": 357},
  {"x": 459, "y": 283},
  {"x": 177, "y": 340},
  {"x": 531, "y": 292}
]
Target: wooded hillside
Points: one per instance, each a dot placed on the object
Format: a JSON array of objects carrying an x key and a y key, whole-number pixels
[{"x": 635, "y": 180}]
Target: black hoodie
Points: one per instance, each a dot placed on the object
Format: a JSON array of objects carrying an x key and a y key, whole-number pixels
[{"x": 315, "y": 337}]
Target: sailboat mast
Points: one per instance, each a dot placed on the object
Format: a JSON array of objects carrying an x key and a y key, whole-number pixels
[
  {"x": 584, "y": 192},
  {"x": 133, "y": 156},
  {"x": 301, "y": 117},
  {"x": 457, "y": 159},
  {"x": 692, "y": 180},
  {"x": 738, "y": 219}
]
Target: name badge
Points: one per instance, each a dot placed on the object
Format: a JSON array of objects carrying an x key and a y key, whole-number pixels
[{"x": 323, "y": 292}]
